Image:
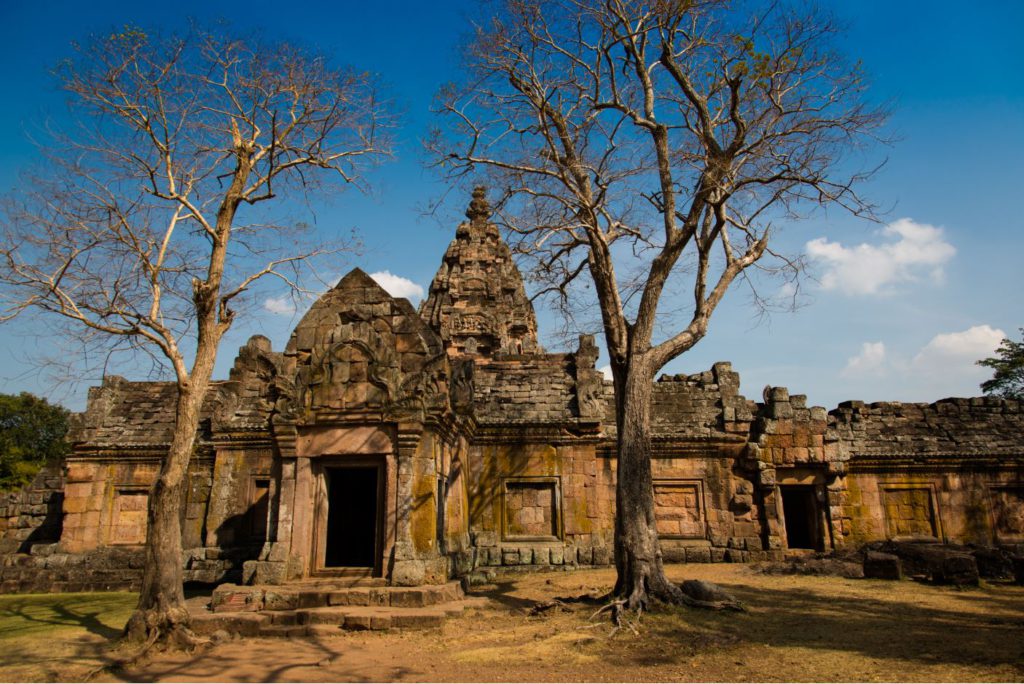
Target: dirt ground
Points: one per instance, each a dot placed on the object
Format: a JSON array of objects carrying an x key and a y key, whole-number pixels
[{"x": 797, "y": 628}]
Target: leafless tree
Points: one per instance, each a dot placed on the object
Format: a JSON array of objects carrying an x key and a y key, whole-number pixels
[
  {"x": 153, "y": 221},
  {"x": 649, "y": 143}
]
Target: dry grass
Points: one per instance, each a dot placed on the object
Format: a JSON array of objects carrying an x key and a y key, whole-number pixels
[{"x": 798, "y": 628}]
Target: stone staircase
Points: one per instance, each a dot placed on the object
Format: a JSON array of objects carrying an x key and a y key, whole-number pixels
[{"x": 324, "y": 607}]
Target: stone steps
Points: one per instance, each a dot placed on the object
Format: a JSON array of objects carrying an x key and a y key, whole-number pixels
[
  {"x": 229, "y": 598},
  {"x": 339, "y": 581},
  {"x": 325, "y": 621},
  {"x": 321, "y": 608}
]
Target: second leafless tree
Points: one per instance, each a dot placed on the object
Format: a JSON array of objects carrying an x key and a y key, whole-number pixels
[{"x": 641, "y": 144}]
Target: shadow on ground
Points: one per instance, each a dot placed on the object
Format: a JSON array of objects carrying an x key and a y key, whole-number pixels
[{"x": 977, "y": 627}]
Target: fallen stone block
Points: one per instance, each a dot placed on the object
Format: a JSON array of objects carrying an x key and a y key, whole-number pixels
[
  {"x": 956, "y": 569},
  {"x": 886, "y": 566}
]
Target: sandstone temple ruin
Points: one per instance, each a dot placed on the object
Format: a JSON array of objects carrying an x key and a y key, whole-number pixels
[{"x": 415, "y": 446}]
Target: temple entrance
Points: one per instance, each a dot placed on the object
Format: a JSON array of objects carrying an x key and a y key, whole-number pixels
[
  {"x": 353, "y": 517},
  {"x": 800, "y": 508}
]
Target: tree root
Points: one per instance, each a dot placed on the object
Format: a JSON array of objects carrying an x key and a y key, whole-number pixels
[
  {"x": 178, "y": 637},
  {"x": 619, "y": 613},
  {"x": 692, "y": 593}
]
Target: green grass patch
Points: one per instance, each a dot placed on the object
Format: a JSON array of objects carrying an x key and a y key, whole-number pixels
[{"x": 35, "y": 615}]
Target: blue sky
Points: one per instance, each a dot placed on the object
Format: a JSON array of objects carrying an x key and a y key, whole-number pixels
[{"x": 898, "y": 312}]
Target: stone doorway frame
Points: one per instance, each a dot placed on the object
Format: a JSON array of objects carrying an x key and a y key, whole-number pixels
[
  {"x": 320, "y": 466},
  {"x": 813, "y": 518},
  {"x": 814, "y": 479}
]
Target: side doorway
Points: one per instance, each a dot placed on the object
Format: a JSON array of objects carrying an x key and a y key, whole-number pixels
[{"x": 802, "y": 513}]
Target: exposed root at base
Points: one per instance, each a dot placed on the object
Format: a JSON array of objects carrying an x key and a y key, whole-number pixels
[
  {"x": 620, "y": 616},
  {"x": 692, "y": 593},
  {"x": 178, "y": 637}
]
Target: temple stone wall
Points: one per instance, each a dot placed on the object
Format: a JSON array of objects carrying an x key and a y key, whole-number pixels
[
  {"x": 33, "y": 514},
  {"x": 237, "y": 512},
  {"x": 537, "y": 503},
  {"x": 105, "y": 503},
  {"x": 538, "y": 389},
  {"x": 985, "y": 508},
  {"x": 455, "y": 523},
  {"x": 950, "y": 470},
  {"x": 705, "y": 512}
]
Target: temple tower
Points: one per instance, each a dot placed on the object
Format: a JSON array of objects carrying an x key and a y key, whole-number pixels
[{"x": 477, "y": 303}]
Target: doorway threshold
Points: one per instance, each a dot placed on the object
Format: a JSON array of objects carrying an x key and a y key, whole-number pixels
[{"x": 343, "y": 572}]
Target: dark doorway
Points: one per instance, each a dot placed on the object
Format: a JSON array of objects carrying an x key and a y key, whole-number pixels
[
  {"x": 800, "y": 507},
  {"x": 352, "y": 502}
]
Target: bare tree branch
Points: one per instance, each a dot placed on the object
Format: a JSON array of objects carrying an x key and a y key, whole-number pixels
[
  {"x": 654, "y": 142},
  {"x": 133, "y": 235}
]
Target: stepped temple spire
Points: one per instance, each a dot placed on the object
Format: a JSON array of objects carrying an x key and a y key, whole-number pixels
[{"x": 477, "y": 302}]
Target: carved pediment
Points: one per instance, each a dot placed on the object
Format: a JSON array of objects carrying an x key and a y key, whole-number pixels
[
  {"x": 360, "y": 351},
  {"x": 350, "y": 375}
]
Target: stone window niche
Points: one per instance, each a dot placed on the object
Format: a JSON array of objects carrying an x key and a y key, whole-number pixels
[
  {"x": 679, "y": 509},
  {"x": 531, "y": 509},
  {"x": 128, "y": 517},
  {"x": 1008, "y": 512},
  {"x": 910, "y": 511}
]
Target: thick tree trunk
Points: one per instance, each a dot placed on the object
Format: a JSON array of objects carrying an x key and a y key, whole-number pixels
[
  {"x": 161, "y": 615},
  {"x": 637, "y": 551}
]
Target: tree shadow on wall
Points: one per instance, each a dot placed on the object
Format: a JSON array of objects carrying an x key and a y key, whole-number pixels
[{"x": 486, "y": 481}]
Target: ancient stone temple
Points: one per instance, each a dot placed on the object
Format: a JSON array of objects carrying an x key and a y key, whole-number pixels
[{"x": 416, "y": 446}]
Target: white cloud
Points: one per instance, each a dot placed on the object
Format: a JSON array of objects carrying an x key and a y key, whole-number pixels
[
  {"x": 958, "y": 349},
  {"x": 607, "y": 372},
  {"x": 397, "y": 286},
  {"x": 943, "y": 367},
  {"x": 912, "y": 251},
  {"x": 870, "y": 361},
  {"x": 282, "y": 306}
]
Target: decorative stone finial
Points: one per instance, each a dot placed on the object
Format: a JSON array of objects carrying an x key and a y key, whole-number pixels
[{"x": 479, "y": 208}]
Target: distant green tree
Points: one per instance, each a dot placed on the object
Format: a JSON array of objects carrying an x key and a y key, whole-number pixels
[
  {"x": 1008, "y": 366},
  {"x": 32, "y": 433}
]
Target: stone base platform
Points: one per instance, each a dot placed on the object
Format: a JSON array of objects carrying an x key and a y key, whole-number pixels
[{"x": 322, "y": 607}]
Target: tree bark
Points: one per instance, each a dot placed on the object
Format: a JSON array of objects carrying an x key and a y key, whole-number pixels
[
  {"x": 638, "y": 559},
  {"x": 161, "y": 615}
]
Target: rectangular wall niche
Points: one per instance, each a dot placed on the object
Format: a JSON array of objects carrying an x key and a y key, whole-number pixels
[
  {"x": 128, "y": 522},
  {"x": 531, "y": 510},
  {"x": 259, "y": 509},
  {"x": 909, "y": 511},
  {"x": 679, "y": 509},
  {"x": 1008, "y": 512}
]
